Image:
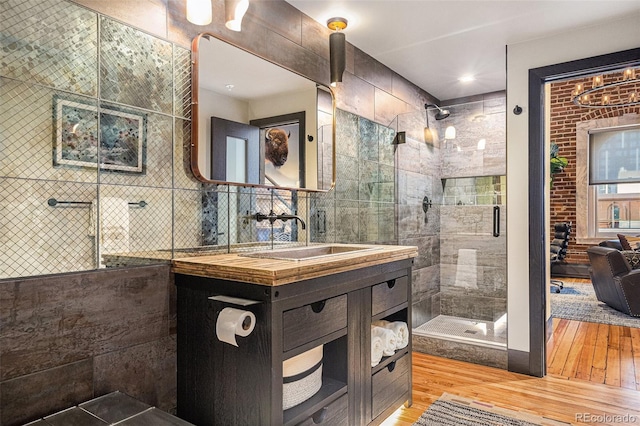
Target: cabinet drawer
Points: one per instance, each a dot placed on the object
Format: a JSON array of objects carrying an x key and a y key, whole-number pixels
[
  {"x": 309, "y": 322},
  {"x": 388, "y": 294},
  {"x": 336, "y": 413},
  {"x": 389, "y": 384}
]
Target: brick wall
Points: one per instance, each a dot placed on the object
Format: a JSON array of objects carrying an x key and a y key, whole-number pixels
[{"x": 564, "y": 117}]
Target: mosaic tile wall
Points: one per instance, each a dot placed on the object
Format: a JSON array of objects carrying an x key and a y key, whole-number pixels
[
  {"x": 364, "y": 197},
  {"x": 131, "y": 91},
  {"x": 61, "y": 94}
]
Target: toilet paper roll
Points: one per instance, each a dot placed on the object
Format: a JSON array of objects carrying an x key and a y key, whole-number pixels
[{"x": 232, "y": 322}]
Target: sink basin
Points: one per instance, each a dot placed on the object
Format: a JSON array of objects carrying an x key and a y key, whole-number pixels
[{"x": 308, "y": 253}]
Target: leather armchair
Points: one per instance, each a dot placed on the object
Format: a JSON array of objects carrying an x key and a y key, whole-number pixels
[
  {"x": 611, "y": 243},
  {"x": 614, "y": 282}
]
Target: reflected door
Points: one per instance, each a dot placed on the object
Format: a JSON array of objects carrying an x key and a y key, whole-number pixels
[{"x": 235, "y": 152}]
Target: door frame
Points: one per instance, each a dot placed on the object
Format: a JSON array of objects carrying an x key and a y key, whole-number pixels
[{"x": 538, "y": 77}]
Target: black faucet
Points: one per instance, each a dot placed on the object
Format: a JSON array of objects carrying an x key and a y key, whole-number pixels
[{"x": 272, "y": 217}]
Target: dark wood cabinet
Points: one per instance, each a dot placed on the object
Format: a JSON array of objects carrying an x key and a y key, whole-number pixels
[{"x": 220, "y": 384}]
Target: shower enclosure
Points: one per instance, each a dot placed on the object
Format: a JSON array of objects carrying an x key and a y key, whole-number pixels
[{"x": 460, "y": 289}]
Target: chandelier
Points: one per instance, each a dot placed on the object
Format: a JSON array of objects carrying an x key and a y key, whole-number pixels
[{"x": 617, "y": 92}]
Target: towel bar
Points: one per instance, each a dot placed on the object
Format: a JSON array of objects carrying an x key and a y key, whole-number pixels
[{"x": 53, "y": 202}]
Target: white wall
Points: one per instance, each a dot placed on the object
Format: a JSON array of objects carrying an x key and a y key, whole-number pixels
[{"x": 604, "y": 38}]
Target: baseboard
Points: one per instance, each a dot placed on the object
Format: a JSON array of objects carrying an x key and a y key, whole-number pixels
[
  {"x": 518, "y": 362},
  {"x": 570, "y": 270}
]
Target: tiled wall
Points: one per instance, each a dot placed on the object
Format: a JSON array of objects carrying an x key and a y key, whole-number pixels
[
  {"x": 68, "y": 337},
  {"x": 466, "y": 182}
]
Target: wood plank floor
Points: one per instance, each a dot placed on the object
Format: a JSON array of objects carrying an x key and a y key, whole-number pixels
[{"x": 592, "y": 368}]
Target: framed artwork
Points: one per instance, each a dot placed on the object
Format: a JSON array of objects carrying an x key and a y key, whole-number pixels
[
  {"x": 112, "y": 138},
  {"x": 283, "y": 153}
]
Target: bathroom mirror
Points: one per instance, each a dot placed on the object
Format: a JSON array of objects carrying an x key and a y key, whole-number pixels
[{"x": 255, "y": 123}]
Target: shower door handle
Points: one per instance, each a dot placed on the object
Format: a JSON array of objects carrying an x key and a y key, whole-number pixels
[{"x": 496, "y": 221}]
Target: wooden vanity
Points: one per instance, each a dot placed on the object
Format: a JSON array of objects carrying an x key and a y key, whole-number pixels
[{"x": 328, "y": 301}]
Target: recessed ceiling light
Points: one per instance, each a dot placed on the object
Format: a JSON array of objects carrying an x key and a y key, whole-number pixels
[
  {"x": 466, "y": 78},
  {"x": 229, "y": 86}
]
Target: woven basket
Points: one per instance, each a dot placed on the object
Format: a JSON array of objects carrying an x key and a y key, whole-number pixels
[{"x": 302, "y": 377}]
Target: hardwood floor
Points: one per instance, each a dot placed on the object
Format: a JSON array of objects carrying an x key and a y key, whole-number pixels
[{"x": 593, "y": 369}]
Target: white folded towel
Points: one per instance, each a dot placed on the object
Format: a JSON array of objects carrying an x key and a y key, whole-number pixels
[
  {"x": 388, "y": 339},
  {"x": 399, "y": 328},
  {"x": 376, "y": 350}
]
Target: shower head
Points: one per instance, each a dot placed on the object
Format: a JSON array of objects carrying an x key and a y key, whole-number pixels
[{"x": 441, "y": 114}]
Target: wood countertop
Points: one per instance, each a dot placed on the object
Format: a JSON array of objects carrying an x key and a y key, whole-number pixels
[{"x": 274, "y": 272}]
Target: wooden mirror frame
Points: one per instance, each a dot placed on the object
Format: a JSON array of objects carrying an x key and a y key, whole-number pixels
[{"x": 195, "y": 119}]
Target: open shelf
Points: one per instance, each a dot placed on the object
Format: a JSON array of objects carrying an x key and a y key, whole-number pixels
[
  {"x": 386, "y": 360},
  {"x": 330, "y": 391}
]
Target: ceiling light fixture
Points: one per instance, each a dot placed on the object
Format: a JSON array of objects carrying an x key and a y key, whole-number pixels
[
  {"x": 199, "y": 12},
  {"x": 337, "y": 49},
  {"x": 234, "y": 12},
  {"x": 608, "y": 95},
  {"x": 466, "y": 79}
]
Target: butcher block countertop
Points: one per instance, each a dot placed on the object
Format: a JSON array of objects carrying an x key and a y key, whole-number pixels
[{"x": 274, "y": 272}]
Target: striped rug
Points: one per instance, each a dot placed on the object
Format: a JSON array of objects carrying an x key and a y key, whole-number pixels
[{"x": 452, "y": 410}]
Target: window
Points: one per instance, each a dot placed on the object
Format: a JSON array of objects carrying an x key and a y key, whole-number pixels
[{"x": 614, "y": 181}]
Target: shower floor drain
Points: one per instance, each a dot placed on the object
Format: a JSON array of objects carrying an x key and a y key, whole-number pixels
[{"x": 465, "y": 330}]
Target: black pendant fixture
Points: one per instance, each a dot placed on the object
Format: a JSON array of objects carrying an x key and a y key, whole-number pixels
[{"x": 337, "y": 49}]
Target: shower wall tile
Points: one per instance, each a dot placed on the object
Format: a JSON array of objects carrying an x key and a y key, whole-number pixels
[
  {"x": 414, "y": 222},
  {"x": 157, "y": 155},
  {"x": 51, "y": 43},
  {"x": 409, "y": 92},
  {"x": 36, "y": 238},
  {"x": 347, "y": 221},
  {"x": 386, "y": 148},
  {"x": 387, "y": 223},
  {"x": 29, "y": 123},
  {"x": 412, "y": 187},
  {"x": 408, "y": 156},
  {"x": 368, "y": 179},
  {"x": 428, "y": 250},
  {"x": 135, "y": 68},
  {"x": 386, "y": 186},
  {"x": 492, "y": 250},
  {"x": 388, "y": 107},
  {"x": 492, "y": 357},
  {"x": 347, "y": 133},
  {"x": 347, "y": 183},
  {"x": 425, "y": 283},
  {"x": 368, "y": 223},
  {"x": 322, "y": 218},
  {"x": 368, "y": 140},
  {"x": 471, "y": 306},
  {"x": 36, "y": 395},
  {"x": 474, "y": 121}
]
